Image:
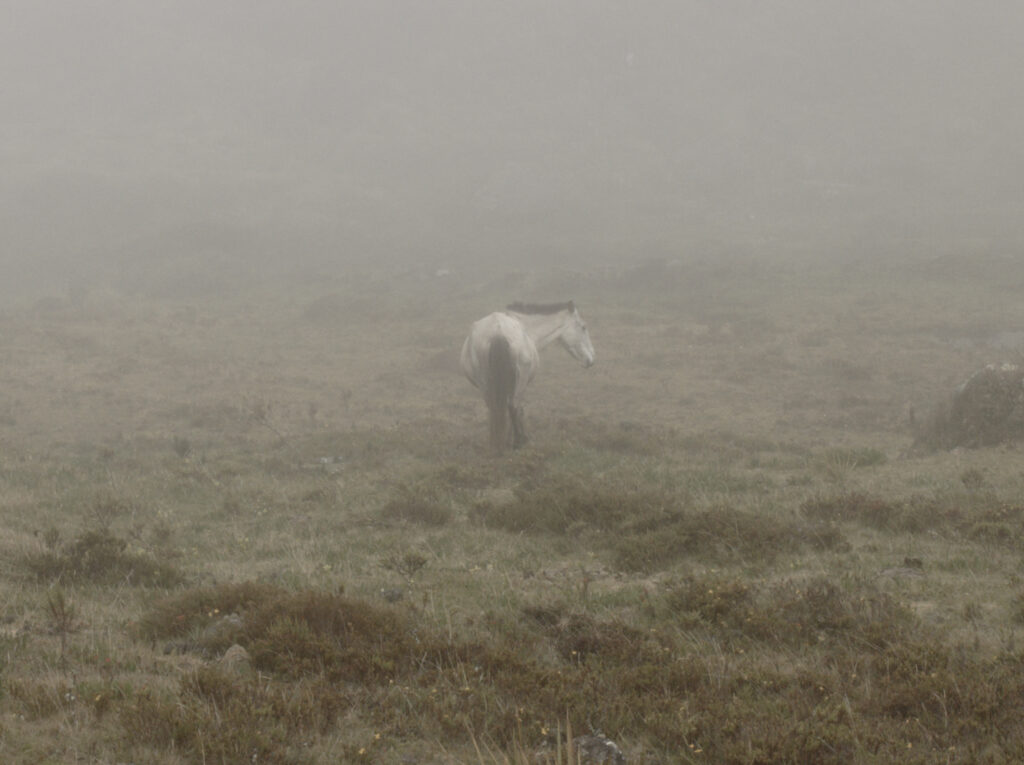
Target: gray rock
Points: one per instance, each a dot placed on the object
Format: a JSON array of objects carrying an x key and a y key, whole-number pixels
[
  {"x": 236, "y": 660},
  {"x": 598, "y": 750}
]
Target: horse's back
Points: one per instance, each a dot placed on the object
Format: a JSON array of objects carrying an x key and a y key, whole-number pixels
[{"x": 476, "y": 349}]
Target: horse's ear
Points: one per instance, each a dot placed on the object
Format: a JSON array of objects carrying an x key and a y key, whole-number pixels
[{"x": 572, "y": 305}]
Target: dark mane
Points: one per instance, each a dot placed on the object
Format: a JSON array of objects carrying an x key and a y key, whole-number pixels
[{"x": 540, "y": 307}]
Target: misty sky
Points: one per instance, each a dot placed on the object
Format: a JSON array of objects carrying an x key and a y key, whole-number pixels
[{"x": 140, "y": 135}]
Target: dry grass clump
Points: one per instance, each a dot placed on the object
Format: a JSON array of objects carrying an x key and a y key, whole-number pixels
[
  {"x": 98, "y": 556},
  {"x": 870, "y": 683},
  {"x": 194, "y": 610},
  {"x": 795, "y": 613},
  {"x": 856, "y": 507},
  {"x": 39, "y": 698},
  {"x": 857, "y": 457},
  {"x": 623, "y": 438},
  {"x": 313, "y": 633},
  {"x": 1017, "y": 608},
  {"x": 650, "y": 528},
  {"x": 311, "y": 646},
  {"x": 289, "y": 634},
  {"x": 732, "y": 447},
  {"x": 561, "y": 503},
  {"x": 580, "y": 636},
  {"x": 216, "y": 716},
  {"x": 986, "y": 410},
  {"x": 985, "y": 519},
  {"x": 462, "y": 476},
  {"x": 407, "y": 564},
  {"x": 721, "y": 534},
  {"x": 957, "y": 702},
  {"x": 1000, "y": 524},
  {"x": 424, "y": 503}
]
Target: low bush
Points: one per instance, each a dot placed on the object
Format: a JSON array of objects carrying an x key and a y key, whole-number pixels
[
  {"x": 984, "y": 519},
  {"x": 559, "y": 503},
  {"x": 193, "y": 610},
  {"x": 796, "y": 613},
  {"x": 421, "y": 503},
  {"x": 218, "y": 717},
  {"x": 649, "y": 529},
  {"x": 288, "y": 634},
  {"x": 98, "y": 556},
  {"x": 716, "y": 535},
  {"x": 623, "y": 438}
]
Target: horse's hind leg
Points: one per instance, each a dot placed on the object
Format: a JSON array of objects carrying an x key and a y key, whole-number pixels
[{"x": 518, "y": 425}]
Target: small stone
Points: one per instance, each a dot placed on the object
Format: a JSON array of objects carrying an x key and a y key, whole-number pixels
[
  {"x": 598, "y": 750},
  {"x": 236, "y": 660}
]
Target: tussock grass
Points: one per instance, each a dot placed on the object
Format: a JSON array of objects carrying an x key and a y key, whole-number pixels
[
  {"x": 98, "y": 556},
  {"x": 982, "y": 518},
  {"x": 221, "y": 717},
  {"x": 420, "y": 503},
  {"x": 623, "y": 438},
  {"x": 562, "y": 503},
  {"x": 719, "y": 535},
  {"x": 793, "y": 612},
  {"x": 648, "y": 530}
]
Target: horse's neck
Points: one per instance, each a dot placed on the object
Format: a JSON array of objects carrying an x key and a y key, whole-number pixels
[{"x": 543, "y": 329}]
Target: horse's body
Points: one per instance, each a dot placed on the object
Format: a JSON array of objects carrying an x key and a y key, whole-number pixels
[{"x": 500, "y": 357}]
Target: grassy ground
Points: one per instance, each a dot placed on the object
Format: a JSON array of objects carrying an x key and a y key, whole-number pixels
[{"x": 720, "y": 545}]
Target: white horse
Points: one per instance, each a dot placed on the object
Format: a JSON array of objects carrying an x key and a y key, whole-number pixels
[{"x": 500, "y": 357}]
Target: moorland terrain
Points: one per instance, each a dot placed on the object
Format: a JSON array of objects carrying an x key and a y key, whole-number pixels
[{"x": 259, "y": 523}]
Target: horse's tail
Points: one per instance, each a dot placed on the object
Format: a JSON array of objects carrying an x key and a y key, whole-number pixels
[{"x": 501, "y": 385}]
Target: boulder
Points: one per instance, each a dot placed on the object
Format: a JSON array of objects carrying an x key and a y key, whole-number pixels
[{"x": 985, "y": 410}]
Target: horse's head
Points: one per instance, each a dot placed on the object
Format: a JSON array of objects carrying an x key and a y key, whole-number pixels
[{"x": 576, "y": 338}]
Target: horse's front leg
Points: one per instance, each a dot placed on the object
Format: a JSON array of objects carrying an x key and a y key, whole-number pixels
[{"x": 515, "y": 412}]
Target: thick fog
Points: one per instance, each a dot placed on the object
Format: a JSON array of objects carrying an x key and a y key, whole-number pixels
[{"x": 265, "y": 136}]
